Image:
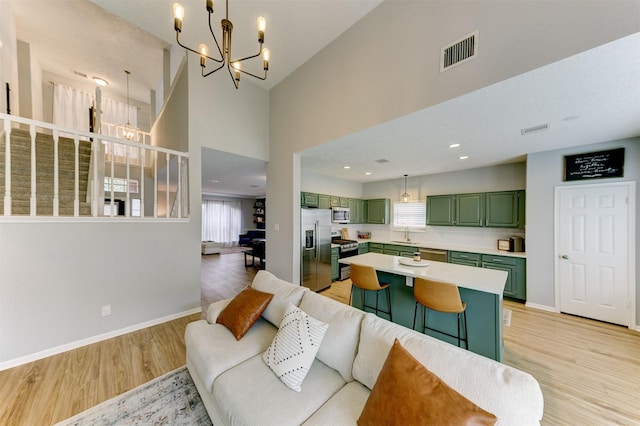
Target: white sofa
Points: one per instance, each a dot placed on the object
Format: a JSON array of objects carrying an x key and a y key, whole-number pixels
[{"x": 238, "y": 388}]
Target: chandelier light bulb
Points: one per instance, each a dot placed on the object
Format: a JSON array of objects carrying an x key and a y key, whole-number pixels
[
  {"x": 204, "y": 50},
  {"x": 178, "y": 11},
  {"x": 266, "y": 54},
  {"x": 262, "y": 24}
]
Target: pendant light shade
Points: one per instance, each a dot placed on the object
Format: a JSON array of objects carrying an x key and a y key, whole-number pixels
[{"x": 404, "y": 198}]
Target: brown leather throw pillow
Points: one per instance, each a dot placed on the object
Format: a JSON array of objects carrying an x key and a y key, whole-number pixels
[
  {"x": 243, "y": 311},
  {"x": 407, "y": 393}
]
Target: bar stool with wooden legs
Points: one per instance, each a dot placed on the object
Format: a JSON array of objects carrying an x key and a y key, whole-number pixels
[
  {"x": 366, "y": 279},
  {"x": 441, "y": 297}
]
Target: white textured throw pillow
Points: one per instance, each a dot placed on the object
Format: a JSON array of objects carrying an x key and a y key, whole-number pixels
[{"x": 295, "y": 346}]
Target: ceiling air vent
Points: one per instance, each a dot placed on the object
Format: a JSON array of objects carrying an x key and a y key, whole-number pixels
[
  {"x": 382, "y": 161},
  {"x": 535, "y": 129},
  {"x": 459, "y": 52}
]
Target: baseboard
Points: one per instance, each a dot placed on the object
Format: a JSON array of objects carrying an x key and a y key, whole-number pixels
[
  {"x": 541, "y": 307},
  {"x": 94, "y": 339}
]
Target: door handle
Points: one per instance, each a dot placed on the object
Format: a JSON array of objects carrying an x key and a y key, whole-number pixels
[{"x": 564, "y": 256}]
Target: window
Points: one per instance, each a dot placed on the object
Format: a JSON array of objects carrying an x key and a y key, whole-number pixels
[
  {"x": 120, "y": 185},
  {"x": 410, "y": 215}
]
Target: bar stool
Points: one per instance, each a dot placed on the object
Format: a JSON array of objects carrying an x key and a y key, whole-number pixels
[
  {"x": 366, "y": 279},
  {"x": 441, "y": 297}
]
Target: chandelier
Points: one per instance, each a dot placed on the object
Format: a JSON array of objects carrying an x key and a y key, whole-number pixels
[
  {"x": 233, "y": 65},
  {"x": 127, "y": 131}
]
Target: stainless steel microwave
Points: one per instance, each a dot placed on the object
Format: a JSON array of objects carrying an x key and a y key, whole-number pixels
[{"x": 340, "y": 215}]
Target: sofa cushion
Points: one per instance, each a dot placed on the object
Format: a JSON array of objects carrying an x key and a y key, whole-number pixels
[
  {"x": 338, "y": 349},
  {"x": 283, "y": 294},
  {"x": 512, "y": 395},
  {"x": 406, "y": 393},
  {"x": 212, "y": 350},
  {"x": 294, "y": 348},
  {"x": 243, "y": 311},
  {"x": 250, "y": 394},
  {"x": 343, "y": 408}
]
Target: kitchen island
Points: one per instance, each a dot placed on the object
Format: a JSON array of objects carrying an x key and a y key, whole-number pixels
[{"x": 480, "y": 288}]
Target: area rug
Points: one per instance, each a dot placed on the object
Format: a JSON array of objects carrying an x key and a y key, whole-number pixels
[
  {"x": 171, "y": 399},
  {"x": 506, "y": 317}
]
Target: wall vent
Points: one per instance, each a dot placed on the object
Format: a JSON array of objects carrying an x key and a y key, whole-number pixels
[
  {"x": 535, "y": 129},
  {"x": 459, "y": 52}
]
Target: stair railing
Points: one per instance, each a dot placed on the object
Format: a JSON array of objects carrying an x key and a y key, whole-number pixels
[{"x": 138, "y": 152}]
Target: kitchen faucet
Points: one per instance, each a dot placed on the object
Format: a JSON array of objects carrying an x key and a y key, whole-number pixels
[{"x": 406, "y": 234}]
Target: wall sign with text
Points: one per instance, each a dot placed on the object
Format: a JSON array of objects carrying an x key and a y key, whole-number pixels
[{"x": 594, "y": 165}]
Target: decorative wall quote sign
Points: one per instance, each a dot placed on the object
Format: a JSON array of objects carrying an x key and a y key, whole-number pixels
[{"x": 594, "y": 165}]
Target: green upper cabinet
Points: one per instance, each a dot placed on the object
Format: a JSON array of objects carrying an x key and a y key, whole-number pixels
[
  {"x": 335, "y": 201},
  {"x": 378, "y": 211},
  {"x": 324, "y": 201},
  {"x": 505, "y": 209},
  {"x": 356, "y": 208},
  {"x": 308, "y": 199},
  {"x": 441, "y": 210},
  {"x": 470, "y": 209},
  {"x": 344, "y": 202}
]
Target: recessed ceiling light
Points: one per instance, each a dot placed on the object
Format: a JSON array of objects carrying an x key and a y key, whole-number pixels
[
  {"x": 214, "y": 180},
  {"x": 100, "y": 81},
  {"x": 454, "y": 145},
  {"x": 367, "y": 173},
  {"x": 464, "y": 157},
  {"x": 347, "y": 167}
]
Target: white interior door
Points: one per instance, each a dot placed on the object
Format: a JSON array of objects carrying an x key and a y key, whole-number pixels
[{"x": 593, "y": 243}]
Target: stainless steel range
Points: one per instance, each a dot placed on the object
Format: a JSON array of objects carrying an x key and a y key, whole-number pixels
[{"x": 347, "y": 248}]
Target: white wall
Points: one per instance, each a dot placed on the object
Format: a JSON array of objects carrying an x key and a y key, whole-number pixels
[
  {"x": 544, "y": 174},
  {"x": 350, "y": 86},
  {"x": 322, "y": 184},
  {"x": 8, "y": 58}
]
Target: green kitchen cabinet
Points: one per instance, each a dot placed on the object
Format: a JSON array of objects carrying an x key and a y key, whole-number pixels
[
  {"x": 335, "y": 267},
  {"x": 335, "y": 201},
  {"x": 515, "y": 287},
  {"x": 441, "y": 210},
  {"x": 363, "y": 248},
  {"x": 376, "y": 247},
  {"x": 465, "y": 258},
  {"x": 308, "y": 199},
  {"x": 378, "y": 211},
  {"x": 344, "y": 202},
  {"x": 505, "y": 209},
  {"x": 356, "y": 208},
  {"x": 324, "y": 201},
  {"x": 469, "y": 209}
]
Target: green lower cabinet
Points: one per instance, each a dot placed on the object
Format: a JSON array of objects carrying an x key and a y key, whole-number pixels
[
  {"x": 464, "y": 258},
  {"x": 335, "y": 267},
  {"x": 376, "y": 247},
  {"x": 516, "y": 284},
  {"x": 363, "y": 248}
]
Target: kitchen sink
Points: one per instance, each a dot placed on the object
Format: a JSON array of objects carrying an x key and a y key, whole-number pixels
[{"x": 405, "y": 242}]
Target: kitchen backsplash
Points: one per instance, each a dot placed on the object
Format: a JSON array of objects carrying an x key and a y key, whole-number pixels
[{"x": 450, "y": 235}]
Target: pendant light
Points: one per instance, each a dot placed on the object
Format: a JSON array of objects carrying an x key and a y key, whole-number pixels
[
  {"x": 404, "y": 198},
  {"x": 127, "y": 131}
]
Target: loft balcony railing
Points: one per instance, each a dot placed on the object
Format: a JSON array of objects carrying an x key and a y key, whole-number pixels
[{"x": 126, "y": 179}]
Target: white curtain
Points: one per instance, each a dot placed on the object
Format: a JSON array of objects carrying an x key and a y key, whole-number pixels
[
  {"x": 71, "y": 107},
  {"x": 114, "y": 112},
  {"x": 221, "y": 221}
]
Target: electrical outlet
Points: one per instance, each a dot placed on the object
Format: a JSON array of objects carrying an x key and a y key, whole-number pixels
[{"x": 106, "y": 310}]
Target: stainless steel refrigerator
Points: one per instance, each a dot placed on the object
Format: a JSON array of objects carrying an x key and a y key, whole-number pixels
[{"x": 315, "y": 261}]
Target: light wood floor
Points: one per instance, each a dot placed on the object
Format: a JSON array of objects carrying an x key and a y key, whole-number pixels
[{"x": 589, "y": 371}]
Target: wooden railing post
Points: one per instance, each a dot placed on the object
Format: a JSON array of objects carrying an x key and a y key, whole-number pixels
[
  {"x": 76, "y": 186},
  {"x": 56, "y": 180}
]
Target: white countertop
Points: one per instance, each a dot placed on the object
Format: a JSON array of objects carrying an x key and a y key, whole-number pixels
[
  {"x": 481, "y": 279},
  {"x": 453, "y": 247}
]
